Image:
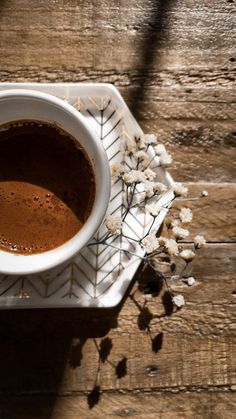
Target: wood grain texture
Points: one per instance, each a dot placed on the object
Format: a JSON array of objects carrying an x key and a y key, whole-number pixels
[
  {"x": 79, "y": 31},
  {"x": 215, "y": 215},
  {"x": 217, "y": 405},
  {"x": 175, "y": 64},
  {"x": 147, "y": 345}
]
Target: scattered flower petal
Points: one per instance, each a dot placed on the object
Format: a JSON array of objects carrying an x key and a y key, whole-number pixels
[
  {"x": 180, "y": 189},
  {"x": 190, "y": 281},
  {"x": 114, "y": 224},
  {"x": 178, "y": 300},
  {"x": 150, "y": 243},
  {"x": 172, "y": 247},
  {"x": 199, "y": 241},
  {"x": 180, "y": 233},
  {"x": 187, "y": 255},
  {"x": 186, "y": 215}
]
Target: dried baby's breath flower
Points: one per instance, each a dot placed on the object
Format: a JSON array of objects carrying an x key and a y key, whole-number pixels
[
  {"x": 150, "y": 174},
  {"x": 186, "y": 215},
  {"x": 114, "y": 224},
  {"x": 140, "y": 192},
  {"x": 174, "y": 223},
  {"x": 138, "y": 198},
  {"x": 149, "y": 139},
  {"x": 153, "y": 208},
  {"x": 134, "y": 176},
  {"x": 160, "y": 187},
  {"x": 117, "y": 169},
  {"x": 140, "y": 144},
  {"x": 160, "y": 149},
  {"x": 190, "y": 281},
  {"x": 199, "y": 241},
  {"x": 187, "y": 255},
  {"x": 148, "y": 187},
  {"x": 128, "y": 146},
  {"x": 165, "y": 159},
  {"x": 162, "y": 240},
  {"x": 150, "y": 243},
  {"x": 143, "y": 157},
  {"x": 168, "y": 221},
  {"x": 171, "y": 222},
  {"x": 180, "y": 189},
  {"x": 172, "y": 247},
  {"x": 178, "y": 300},
  {"x": 180, "y": 233},
  {"x": 122, "y": 146}
]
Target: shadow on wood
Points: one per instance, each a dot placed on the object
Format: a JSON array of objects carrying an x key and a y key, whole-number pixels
[
  {"x": 36, "y": 345},
  {"x": 152, "y": 36}
]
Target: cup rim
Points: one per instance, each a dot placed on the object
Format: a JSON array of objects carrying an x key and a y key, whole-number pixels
[{"x": 20, "y": 264}]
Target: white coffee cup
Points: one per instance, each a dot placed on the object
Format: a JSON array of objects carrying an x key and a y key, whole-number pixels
[{"x": 22, "y": 104}]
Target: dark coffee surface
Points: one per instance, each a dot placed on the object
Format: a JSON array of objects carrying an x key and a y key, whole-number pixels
[{"x": 47, "y": 187}]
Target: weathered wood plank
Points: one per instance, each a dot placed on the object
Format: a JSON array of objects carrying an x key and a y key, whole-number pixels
[
  {"x": 180, "y": 360},
  {"x": 214, "y": 216},
  {"x": 213, "y": 268},
  {"x": 196, "y": 145},
  {"x": 147, "y": 346},
  {"x": 176, "y": 68},
  {"x": 182, "y": 88},
  {"x": 202, "y": 85},
  {"x": 76, "y": 33},
  {"x": 202, "y": 405},
  {"x": 202, "y": 151}
]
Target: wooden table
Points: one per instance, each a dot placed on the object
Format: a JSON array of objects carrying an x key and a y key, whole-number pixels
[{"x": 175, "y": 63}]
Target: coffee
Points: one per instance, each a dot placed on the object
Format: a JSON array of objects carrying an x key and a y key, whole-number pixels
[{"x": 47, "y": 187}]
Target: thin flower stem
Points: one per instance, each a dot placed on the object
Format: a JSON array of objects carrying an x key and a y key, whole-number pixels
[
  {"x": 130, "y": 238},
  {"x": 184, "y": 268},
  {"x": 129, "y": 201},
  {"x": 126, "y": 251},
  {"x": 149, "y": 163},
  {"x": 167, "y": 286},
  {"x": 153, "y": 221},
  {"x": 155, "y": 253}
]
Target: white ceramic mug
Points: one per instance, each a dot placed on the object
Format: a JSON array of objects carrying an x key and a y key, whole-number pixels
[{"x": 31, "y": 105}]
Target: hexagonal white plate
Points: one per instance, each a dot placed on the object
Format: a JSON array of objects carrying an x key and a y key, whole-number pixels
[{"x": 99, "y": 275}]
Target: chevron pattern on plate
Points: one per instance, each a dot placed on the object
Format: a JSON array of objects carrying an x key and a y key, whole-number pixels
[{"x": 99, "y": 275}]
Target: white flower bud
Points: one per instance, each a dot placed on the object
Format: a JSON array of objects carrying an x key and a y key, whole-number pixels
[
  {"x": 187, "y": 255},
  {"x": 178, "y": 300}
]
